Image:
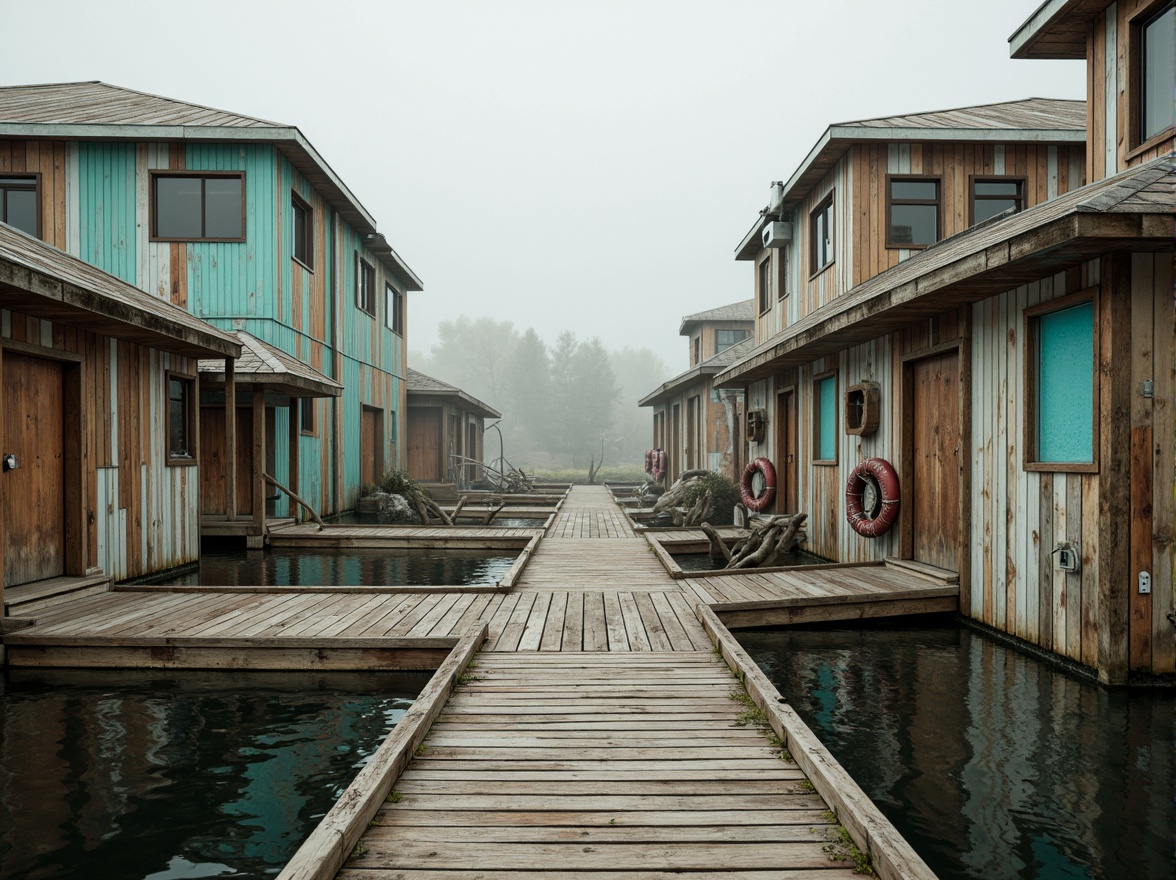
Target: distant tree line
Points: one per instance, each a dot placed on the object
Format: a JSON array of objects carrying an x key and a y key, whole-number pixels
[{"x": 559, "y": 402}]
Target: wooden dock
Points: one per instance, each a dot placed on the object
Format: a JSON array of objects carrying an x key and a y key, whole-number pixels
[{"x": 597, "y": 732}]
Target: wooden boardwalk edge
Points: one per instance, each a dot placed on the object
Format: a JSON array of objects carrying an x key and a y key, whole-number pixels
[
  {"x": 892, "y": 857},
  {"x": 323, "y": 853}
]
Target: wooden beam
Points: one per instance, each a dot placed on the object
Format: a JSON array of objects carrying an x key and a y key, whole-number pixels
[
  {"x": 230, "y": 440},
  {"x": 295, "y": 436},
  {"x": 258, "y": 473}
]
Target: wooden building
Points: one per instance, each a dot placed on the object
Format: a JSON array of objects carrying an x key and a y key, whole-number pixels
[
  {"x": 445, "y": 432},
  {"x": 957, "y": 299},
  {"x": 99, "y": 424},
  {"x": 240, "y": 221},
  {"x": 698, "y": 425}
]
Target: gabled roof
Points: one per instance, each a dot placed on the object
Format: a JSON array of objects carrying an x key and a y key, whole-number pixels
[
  {"x": 707, "y": 368},
  {"x": 744, "y": 310},
  {"x": 278, "y": 372},
  {"x": 100, "y": 111},
  {"x": 39, "y": 280},
  {"x": 1134, "y": 210},
  {"x": 420, "y": 385},
  {"x": 1032, "y": 120},
  {"x": 1056, "y": 29}
]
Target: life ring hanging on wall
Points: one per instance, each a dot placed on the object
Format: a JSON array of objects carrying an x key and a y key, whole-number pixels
[
  {"x": 871, "y": 498},
  {"x": 747, "y": 489},
  {"x": 659, "y": 465}
]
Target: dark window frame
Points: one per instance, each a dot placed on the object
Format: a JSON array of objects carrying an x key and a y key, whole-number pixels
[
  {"x": 719, "y": 346},
  {"x": 974, "y": 179},
  {"x": 308, "y": 416},
  {"x": 782, "y": 274},
  {"x": 824, "y": 206},
  {"x": 34, "y": 179},
  {"x": 763, "y": 282},
  {"x": 1137, "y": 23},
  {"x": 306, "y": 240},
  {"x": 191, "y": 416},
  {"x": 394, "y": 309},
  {"x": 365, "y": 285},
  {"x": 155, "y": 176},
  {"x": 1030, "y": 460},
  {"x": 818, "y": 378},
  {"x": 937, "y": 202}
]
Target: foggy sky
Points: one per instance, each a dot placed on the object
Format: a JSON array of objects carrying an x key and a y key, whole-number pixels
[{"x": 587, "y": 166}]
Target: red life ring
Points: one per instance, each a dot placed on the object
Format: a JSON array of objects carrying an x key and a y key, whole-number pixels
[
  {"x": 874, "y": 515},
  {"x": 659, "y": 464},
  {"x": 746, "y": 492},
  {"x": 649, "y": 461}
]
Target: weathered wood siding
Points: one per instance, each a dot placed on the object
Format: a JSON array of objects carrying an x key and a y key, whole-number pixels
[{"x": 140, "y": 514}]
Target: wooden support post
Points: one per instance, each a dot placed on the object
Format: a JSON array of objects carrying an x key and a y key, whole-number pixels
[
  {"x": 296, "y": 405},
  {"x": 258, "y": 473},
  {"x": 230, "y": 439}
]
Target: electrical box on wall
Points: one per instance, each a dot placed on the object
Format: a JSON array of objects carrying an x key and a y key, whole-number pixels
[
  {"x": 1068, "y": 558},
  {"x": 756, "y": 425},
  {"x": 862, "y": 403},
  {"x": 777, "y": 234}
]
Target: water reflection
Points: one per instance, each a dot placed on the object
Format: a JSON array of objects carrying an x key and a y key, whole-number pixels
[
  {"x": 161, "y": 775},
  {"x": 990, "y": 762}
]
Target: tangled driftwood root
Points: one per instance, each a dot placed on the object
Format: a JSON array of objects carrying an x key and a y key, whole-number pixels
[{"x": 768, "y": 540}]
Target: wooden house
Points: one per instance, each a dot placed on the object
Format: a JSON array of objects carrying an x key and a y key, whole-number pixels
[
  {"x": 240, "y": 221},
  {"x": 99, "y": 431},
  {"x": 698, "y": 425},
  {"x": 445, "y": 431},
  {"x": 959, "y": 301}
]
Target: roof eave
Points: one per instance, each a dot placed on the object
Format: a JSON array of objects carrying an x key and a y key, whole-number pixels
[
  {"x": 1027, "y": 42},
  {"x": 682, "y": 380}
]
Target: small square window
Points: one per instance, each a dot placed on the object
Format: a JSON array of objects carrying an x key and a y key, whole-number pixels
[
  {"x": 19, "y": 203},
  {"x": 821, "y": 229},
  {"x": 764, "y": 283},
  {"x": 912, "y": 212},
  {"x": 825, "y": 419},
  {"x": 365, "y": 285},
  {"x": 307, "y": 409},
  {"x": 198, "y": 207},
  {"x": 181, "y": 419},
  {"x": 991, "y": 196},
  {"x": 303, "y": 230},
  {"x": 394, "y": 309}
]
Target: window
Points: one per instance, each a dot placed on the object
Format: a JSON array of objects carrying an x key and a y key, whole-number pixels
[
  {"x": 181, "y": 433},
  {"x": 19, "y": 205},
  {"x": 365, "y": 285},
  {"x": 394, "y": 307},
  {"x": 726, "y": 338},
  {"x": 307, "y": 408},
  {"x": 303, "y": 228},
  {"x": 207, "y": 207},
  {"x": 822, "y": 235},
  {"x": 764, "y": 281},
  {"x": 1156, "y": 39},
  {"x": 697, "y": 349},
  {"x": 782, "y": 275},
  {"x": 912, "y": 211},
  {"x": 825, "y": 419},
  {"x": 995, "y": 195},
  {"x": 1061, "y": 389}
]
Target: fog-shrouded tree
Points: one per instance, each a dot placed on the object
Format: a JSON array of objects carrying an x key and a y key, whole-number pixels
[
  {"x": 639, "y": 371},
  {"x": 526, "y": 400},
  {"x": 473, "y": 353}
]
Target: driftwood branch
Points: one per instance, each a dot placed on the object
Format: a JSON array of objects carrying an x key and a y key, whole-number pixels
[
  {"x": 493, "y": 513},
  {"x": 718, "y": 547},
  {"x": 768, "y": 541},
  {"x": 297, "y": 499}
]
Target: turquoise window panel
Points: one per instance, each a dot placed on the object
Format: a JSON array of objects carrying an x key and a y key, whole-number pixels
[
  {"x": 1065, "y": 385},
  {"x": 827, "y": 419}
]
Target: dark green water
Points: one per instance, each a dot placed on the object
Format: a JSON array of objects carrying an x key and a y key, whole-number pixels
[
  {"x": 351, "y": 567},
  {"x": 121, "y": 775},
  {"x": 990, "y": 762}
]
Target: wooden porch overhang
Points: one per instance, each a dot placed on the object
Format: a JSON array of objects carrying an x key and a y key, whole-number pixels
[
  {"x": 1056, "y": 29},
  {"x": 424, "y": 390},
  {"x": 1133, "y": 211},
  {"x": 263, "y": 367},
  {"x": 44, "y": 282}
]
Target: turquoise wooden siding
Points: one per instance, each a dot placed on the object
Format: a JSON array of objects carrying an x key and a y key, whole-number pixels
[{"x": 107, "y": 212}]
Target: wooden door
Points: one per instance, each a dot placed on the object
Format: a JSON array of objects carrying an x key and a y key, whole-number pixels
[
  {"x": 371, "y": 445},
  {"x": 786, "y": 469},
  {"x": 32, "y": 497},
  {"x": 424, "y": 443},
  {"x": 933, "y": 490},
  {"x": 214, "y": 463}
]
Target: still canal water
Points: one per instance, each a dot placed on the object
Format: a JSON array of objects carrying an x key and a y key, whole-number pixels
[
  {"x": 990, "y": 762},
  {"x": 167, "y": 775}
]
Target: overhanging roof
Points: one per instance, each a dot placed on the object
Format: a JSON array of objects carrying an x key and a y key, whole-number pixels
[
  {"x": 261, "y": 364},
  {"x": 1056, "y": 29},
  {"x": 1032, "y": 120},
  {"x": 100, "y": 111},
  {"x": 744, "y": 310},
  {"x": 422, "y": 386},
  {"x": 707, "y": 368},
  {"x": 1135, "y": 210},
  {"x": 40, "y": 280}
]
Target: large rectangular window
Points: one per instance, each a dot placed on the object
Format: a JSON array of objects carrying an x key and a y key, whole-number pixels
[
  {"x": 912, "y": 211},
  {"x": 365, "y": 285},
  {"x": 19, "y": 205},
  {"x": 726, "y": 338},
  {"x": 995, "y": 195},
  {"x": 198, "y": 207},
  {"x": 825, "y": 419},
  {"x": 821, "y": 234},
  {"x": 303, "y": 230},
  {"x": 181, "y": 429},
  {"x": 1061, "y": 390},
  {"x": 1157, "y": 72},
  {"x": 394, "y": 309}
]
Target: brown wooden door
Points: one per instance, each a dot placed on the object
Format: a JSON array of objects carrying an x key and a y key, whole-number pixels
[
  {"x": 934, "y": 487},
  {"x": 371, "y": 445},
  {"x": 786, "y": 473},
  {"x": 424, "y": 443},
  {"x": 214, "y": 464},
  {"x": 32, "y": 497}
]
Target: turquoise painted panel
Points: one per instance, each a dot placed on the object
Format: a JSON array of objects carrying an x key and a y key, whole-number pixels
[
  {"x": 106, "y": 202},
  {"x": 827, "y": 415},
  {"x": 1065, "y": 385}
]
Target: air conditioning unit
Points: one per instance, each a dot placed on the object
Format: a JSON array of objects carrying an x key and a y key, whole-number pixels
[{"x": 777, "y": 234}]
